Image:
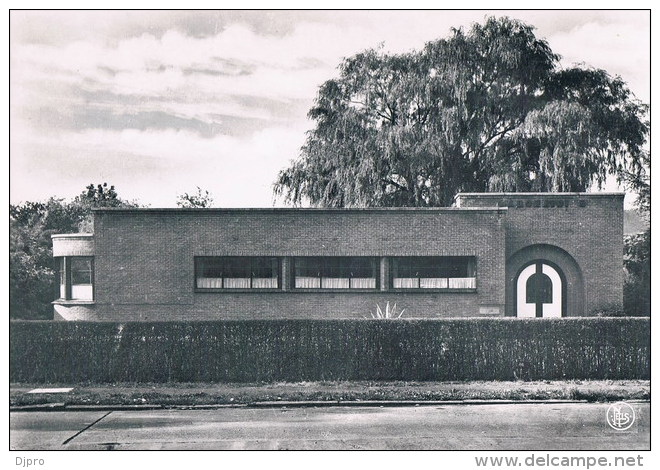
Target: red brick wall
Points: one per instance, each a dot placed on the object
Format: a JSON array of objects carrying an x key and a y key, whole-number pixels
[
  {"x": 144, "y": 259},
  {"x": 589, "y": 227}
]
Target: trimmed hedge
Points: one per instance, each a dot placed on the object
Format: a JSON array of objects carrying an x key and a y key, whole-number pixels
[{"x": 317, "y": 350}]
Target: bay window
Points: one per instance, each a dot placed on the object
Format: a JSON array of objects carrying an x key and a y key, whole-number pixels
[{"x": 76, "y": 277}]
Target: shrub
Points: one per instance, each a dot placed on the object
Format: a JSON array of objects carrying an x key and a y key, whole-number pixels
[
  {"x": 388, "y": 313},
  {"x": 637, "y": 275},
  {"x": 318, "y": 350}
]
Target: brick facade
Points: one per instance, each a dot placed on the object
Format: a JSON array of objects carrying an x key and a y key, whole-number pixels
[
  {"x": 144, "y": 265},
  {"x": 585, "y": 227}
]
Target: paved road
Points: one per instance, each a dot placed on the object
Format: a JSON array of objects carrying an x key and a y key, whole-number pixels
[{"x": 565, "y": 426}]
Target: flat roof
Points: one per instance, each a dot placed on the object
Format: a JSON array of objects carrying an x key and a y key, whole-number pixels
[
  {"x": 507, "y": 194},
  {"x": 284, "y": 210},
  {"x": 73, "y": 235}
]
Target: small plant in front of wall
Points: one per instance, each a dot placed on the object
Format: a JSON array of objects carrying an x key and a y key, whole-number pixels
[{"x": 389, "y": 312}]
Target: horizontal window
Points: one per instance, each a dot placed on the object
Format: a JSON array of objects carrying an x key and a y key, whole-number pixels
[
  {"x": 237, "y": 272},
  {"x": 335, "y": 272},
  {"x": 434, "y": 272}
]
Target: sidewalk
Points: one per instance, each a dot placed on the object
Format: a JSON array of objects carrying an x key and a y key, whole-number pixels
[{"x": 204, "y": 395}]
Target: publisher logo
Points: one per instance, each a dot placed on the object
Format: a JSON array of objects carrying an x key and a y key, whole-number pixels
[{"x": 620, "y": 416}]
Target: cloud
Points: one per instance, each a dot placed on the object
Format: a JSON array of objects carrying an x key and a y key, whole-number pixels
[
  {"x": 173, "y": 80},
  {"x": 103, "y": 118},
  {"x": 161, "y": 102},
  {"x": 626, "y": 54},
  {"x": 111, "y": 26},
  {"x": 153, "y": 166}
]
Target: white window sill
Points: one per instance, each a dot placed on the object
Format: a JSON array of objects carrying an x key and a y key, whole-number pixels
[{"x": 73, "y": 302}]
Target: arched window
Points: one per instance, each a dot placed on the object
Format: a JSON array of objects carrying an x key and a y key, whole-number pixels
[{"x": 539, "y": 289}]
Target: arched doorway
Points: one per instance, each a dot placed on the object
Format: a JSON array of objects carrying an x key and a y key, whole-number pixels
[
  {"x": 540, "y": 289},
  {"x": 558, "y": 260}
]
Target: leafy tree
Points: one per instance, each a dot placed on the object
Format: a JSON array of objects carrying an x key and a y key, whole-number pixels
[
  {"x": 483, "y": 110},
  {"x": 200, "y": 199},
  {"x": 100, "y": 196},
  {"x": 637, "y": 274},
  {"x": 640, "y": 183},
  {"x": 32, "y": 283},
  {"x": 31, "y": 266},
  {"x": 94, "y": 197},
  {"x": 637, "y": 248}
]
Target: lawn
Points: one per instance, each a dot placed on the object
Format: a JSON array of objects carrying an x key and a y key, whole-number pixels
[{"x": 197, "y": 394}]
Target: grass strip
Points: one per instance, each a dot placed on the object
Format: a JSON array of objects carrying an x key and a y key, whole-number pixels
[{"x": 192, "y": 394}]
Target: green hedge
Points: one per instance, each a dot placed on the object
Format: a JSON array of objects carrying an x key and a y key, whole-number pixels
[{"x": 305, "y": 350}]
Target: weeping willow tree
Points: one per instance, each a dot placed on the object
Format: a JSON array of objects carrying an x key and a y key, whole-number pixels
[{"x": 484, "y": 110}]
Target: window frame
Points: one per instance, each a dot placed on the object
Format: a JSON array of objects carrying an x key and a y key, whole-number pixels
[
  {"x": 443, "y": 281},
  {"x": 326, "y": 264},
  {"x": 198, "y": 260},
  {"x": 65, "y": 275}
]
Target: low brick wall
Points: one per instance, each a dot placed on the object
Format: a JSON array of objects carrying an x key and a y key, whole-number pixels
[{"x": 300, "y": 350}]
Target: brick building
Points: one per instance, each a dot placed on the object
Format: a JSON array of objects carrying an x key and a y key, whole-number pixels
[{"x": 495, "y": 254}]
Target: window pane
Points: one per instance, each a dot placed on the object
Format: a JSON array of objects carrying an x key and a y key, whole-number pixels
[
  {"x": 539, "y": 289},
  {"x": 334, "y": 267},
  {"x": 264, "y": 283},
  {"x": 462, "y": 283},
  {"x": 431, "y": 268},
  {"x": 434, "y": 272},
  {"x": 236, "y": 282},
  {"x": 82, "y": 292},
  {"x": 307, "y": 282},
  {"x": 81, "y": 270},
  {"x": 406, "y": 282},
  {"x": 265, "y": 273},
  {"x": 405, "y": 268},
  {"x": 81, "y": 264},
  {"x": 308, "y": 267},
  {"x": 457, "y": 267},
  {"x": 237, "y": 272},
  {"x": 81, "y": 278},
  {"x": 264, "y": 267},
  {"x": 335, "y": 283},
  {"x": 62, "y": 278},
  {"x": 363, "y": 283},
  {"x": 209, "y": 283},
  {"x": 209, "y": 267},
  {"x": 208, "y": 273},
  {"x": 362, "y": 267},
  {"x": 235, "y": 267},
  {"x": 335, "y": 272},
  {"x": 433, "y": 283}
]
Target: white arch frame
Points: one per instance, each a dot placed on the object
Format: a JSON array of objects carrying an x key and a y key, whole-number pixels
[{"x": 528, "y": 310}]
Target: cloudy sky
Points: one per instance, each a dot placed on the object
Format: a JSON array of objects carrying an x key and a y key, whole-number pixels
[{"x": 158, "y": 103}]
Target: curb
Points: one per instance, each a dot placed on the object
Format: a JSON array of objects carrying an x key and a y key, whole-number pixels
[
  {"x": 392, "y": 403},
  {"x": 300, "y": 404},
  {"x": 64, "y": 407},
  {"x": 284, "y": 404},
  {"x": 42, "y": 407}
]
